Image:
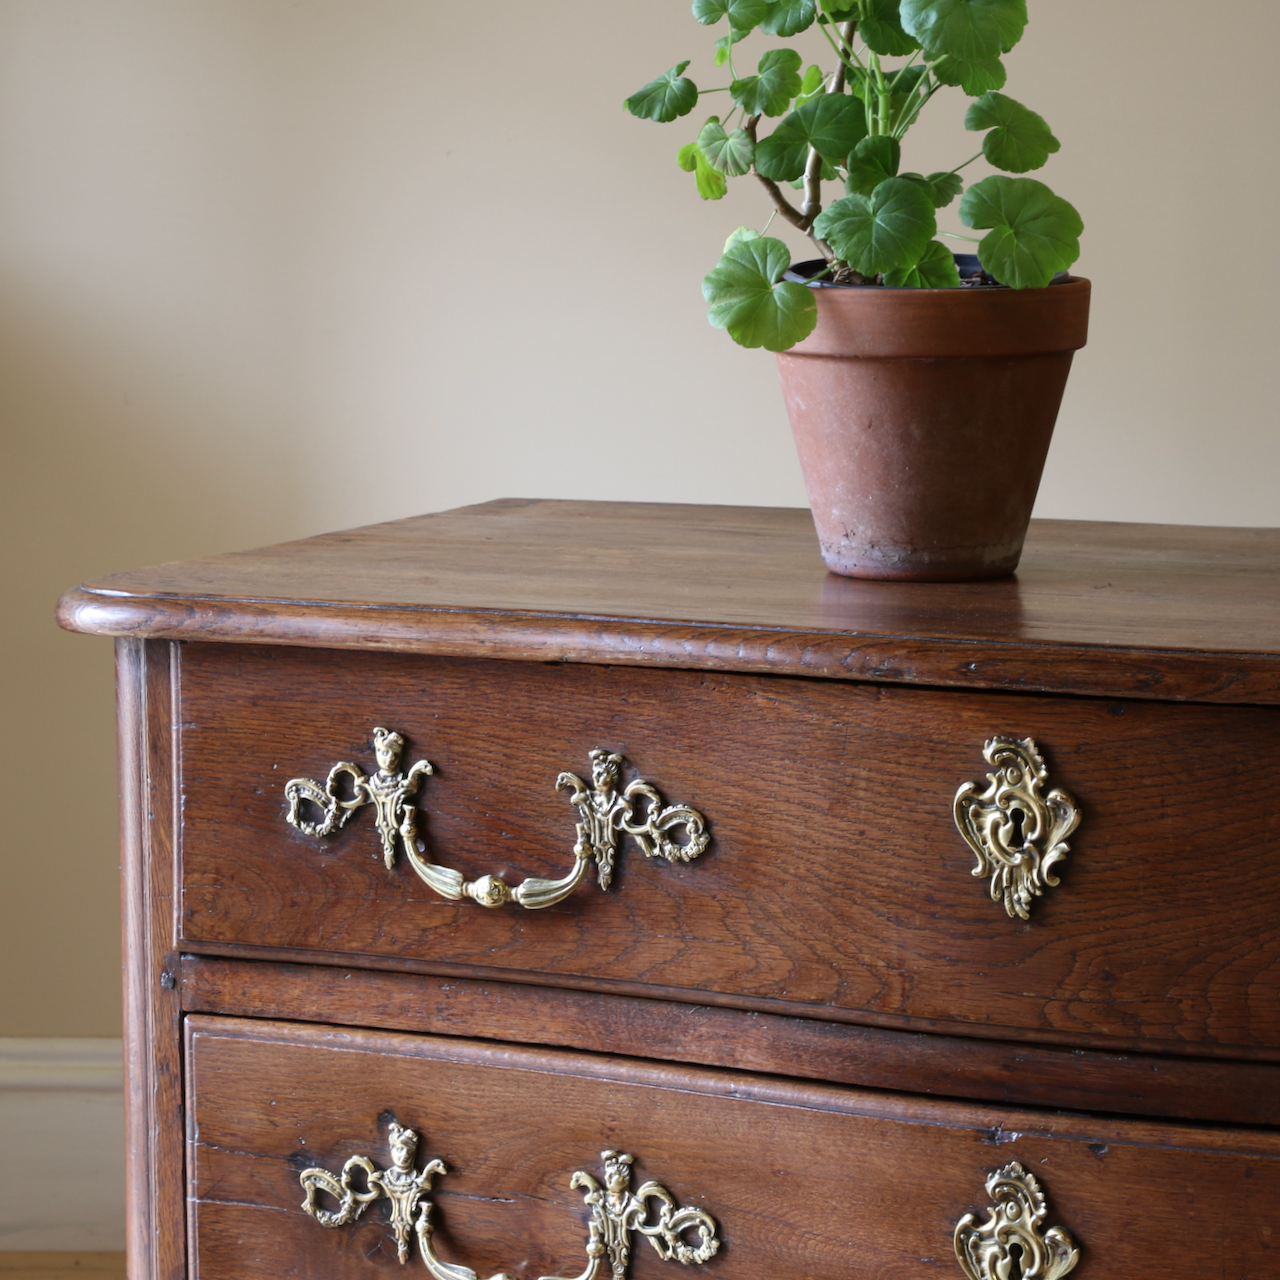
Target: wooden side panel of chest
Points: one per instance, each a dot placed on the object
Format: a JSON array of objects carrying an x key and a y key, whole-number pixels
[{"x": 155, "y": 1104}]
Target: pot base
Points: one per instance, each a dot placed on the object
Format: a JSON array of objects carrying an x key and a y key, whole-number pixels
[{"x": 911, "y": 564}]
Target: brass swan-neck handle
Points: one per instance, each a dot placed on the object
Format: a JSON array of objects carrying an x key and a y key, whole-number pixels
[
  {"x": 616, "y": 1211},
  {"x": 606, "y": 814}
]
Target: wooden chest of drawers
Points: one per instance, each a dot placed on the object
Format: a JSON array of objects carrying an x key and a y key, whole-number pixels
[{"x": 741, "y": 919}]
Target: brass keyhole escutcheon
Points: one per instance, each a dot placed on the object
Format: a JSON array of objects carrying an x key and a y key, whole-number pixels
[
  {"x": 1018, "y": 835},
  {"x": 1013, "y": 1242}
]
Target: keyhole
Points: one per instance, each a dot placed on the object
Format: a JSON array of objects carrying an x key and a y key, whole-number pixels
[
  {"x": 1017, "y": 817},
  {"x": 1015, "y": 1250}
]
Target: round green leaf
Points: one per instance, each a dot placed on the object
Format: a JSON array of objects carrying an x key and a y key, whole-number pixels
[
  {"x": 742, "y": 14},
  {"x": 833, "y": 124},
  {"x": 943, "y": 187},
  {"x": 748, "y": 296},
  {"x": 710, "y": 182},
  {"x": 836, "y": 12},
  {"x": 789, "y": 17},
  {"x": 742, "y": 233},
  {"x": 1033, "y": 232},
  {"x": 770, "y": 92},
  {"x": 811, "y": 86},
  {"x": 966, "y": 29},
  {"x": 668, "y": 97},
  {"x": 882, "y": 31},
  {"x": 1018, "y": 140},
  {"x": 729, "y": 153},
  {"x": 871, "y": 162},
  {"x": 974, "y": 75},
  {"x": 936, "y": 269},
  {"x": 890, "y": 228}
]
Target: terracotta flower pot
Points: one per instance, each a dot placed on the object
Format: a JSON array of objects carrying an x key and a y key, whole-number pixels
[{"x": 922, "y": 418}]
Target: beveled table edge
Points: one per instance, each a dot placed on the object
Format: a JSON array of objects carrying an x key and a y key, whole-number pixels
[{"x": 1021, "y": 666}]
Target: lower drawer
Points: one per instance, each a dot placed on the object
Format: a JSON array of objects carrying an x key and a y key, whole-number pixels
[{"x": 788, "y": 1179}]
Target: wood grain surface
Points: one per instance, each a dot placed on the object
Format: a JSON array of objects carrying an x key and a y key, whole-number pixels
[
  {"x": 1142, "y": 611},
  {"x": 836, "y": 881},
  {"x": 803, "y": 1179},
  {"x": 951, "y": 1066}
]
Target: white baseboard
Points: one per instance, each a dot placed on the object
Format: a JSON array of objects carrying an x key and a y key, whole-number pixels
[{"x": 61, "y": 1145}]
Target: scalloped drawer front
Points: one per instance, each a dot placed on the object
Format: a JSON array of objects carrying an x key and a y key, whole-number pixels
[
  {"x": 817, "y": 1181},
  {"x": 833, "y": 880}
]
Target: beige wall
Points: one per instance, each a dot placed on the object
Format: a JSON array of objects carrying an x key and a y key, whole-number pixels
[{"x": 269, "y": 267}]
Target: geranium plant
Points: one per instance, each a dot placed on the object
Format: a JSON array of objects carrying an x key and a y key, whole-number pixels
[{"x": 845, "y": 125}]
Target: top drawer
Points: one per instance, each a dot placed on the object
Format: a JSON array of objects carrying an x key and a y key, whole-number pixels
[{"x": 835, "y": 881}]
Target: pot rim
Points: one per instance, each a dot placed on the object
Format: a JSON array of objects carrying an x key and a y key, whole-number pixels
[
  {"x": 880, "y": 323},
  {"x": 794, "y": 273}
]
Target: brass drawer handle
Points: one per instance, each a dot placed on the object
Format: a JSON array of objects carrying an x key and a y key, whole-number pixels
[
  {"x": 1017, "y": 835},
  {"x": 985, "y": 1252},
  {"x": 616, "y": 1211},
  {"x": 604, "y": 815}
]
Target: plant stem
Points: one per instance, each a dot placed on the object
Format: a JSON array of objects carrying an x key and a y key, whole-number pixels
[
  {"x": 883, "y": 95},
  {"x": 780, "y": 202},
  {"x": 951, "y": 235},
  {"x": 969, "y": 161},
  {"x": 846, "y": 37},
  {"x": 844, "y": 54},
  {"x": 893, "y": 88},
  {"x": 812, "y": 205},
  {"x": 897, "y": 75},
  {"x": 912, "y": 110},
  {"x": 845, "y": 51}
]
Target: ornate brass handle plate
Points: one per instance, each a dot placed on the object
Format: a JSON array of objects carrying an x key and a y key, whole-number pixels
[
  {"x": 1017, "y": 835},
  {"x": 616, "y": 1210},
  {"x": 986, "y": 1251},
  {"x": 605, "y": 814}
]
